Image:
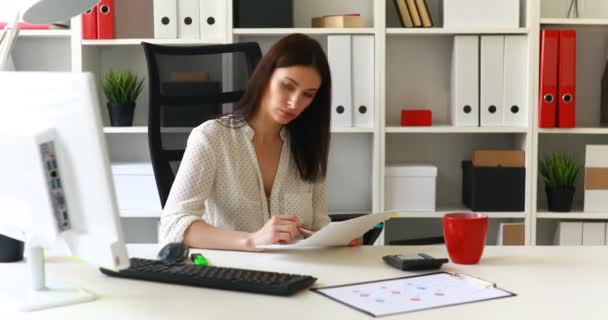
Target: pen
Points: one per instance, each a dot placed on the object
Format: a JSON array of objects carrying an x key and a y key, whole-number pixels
[
  {"x": 306, "y": 232},
  {"x": 480, "y": 282}
]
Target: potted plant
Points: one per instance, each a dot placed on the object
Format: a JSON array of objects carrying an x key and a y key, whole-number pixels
[
  {"x": 121, "y": 88},
  {"x": 559, "y": 172}
]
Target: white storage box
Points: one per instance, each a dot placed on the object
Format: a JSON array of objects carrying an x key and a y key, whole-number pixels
[
  {"x": 596, "y": 186},
  {"x": 136, "y": 188},
  {"x": 481, "y": 13},
  {"x": 410, "y": 187}
]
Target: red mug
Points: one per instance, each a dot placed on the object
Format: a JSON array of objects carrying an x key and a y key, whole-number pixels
[{"x": 465, "y": 236}]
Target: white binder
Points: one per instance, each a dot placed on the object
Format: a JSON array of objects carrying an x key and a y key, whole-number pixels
[
  {"x": 213, "y": 21},
  {"x": 569, "y": 234},
  {"x": 515, "y": 112},
  {"x": 339, "y": 58},
  {"x": 363, "y": 81},
  {"x": 594, "y": 233},
  {"x": 491, "y": 88},
  {"x": 465, "y": 82},
  {"x": 188, "y": 16},
  {"x": 165, "y": 19}
]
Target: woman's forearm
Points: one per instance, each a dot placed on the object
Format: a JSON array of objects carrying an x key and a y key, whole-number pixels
[{"x": 205, "y": 236}]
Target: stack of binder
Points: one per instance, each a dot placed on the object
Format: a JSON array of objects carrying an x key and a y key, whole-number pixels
[
  {"x": 98, "y": 22},
  {"x": 576, "y": 233},
  {"x": 557, "y": 106},
  {"x": 489, "y": 81},
  {"x": 413, "y": 13},
  {"x": 351, "y": 60},
  {"x": 190, "y": 19}
]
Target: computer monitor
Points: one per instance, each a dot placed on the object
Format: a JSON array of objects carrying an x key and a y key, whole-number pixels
[{"x": 56, "y": 181}]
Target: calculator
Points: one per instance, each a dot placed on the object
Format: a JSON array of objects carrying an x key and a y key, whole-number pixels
[{"x": 419, "y": 261}]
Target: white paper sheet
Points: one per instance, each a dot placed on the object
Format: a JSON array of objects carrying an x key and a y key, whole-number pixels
[
  {"x": 336, "y": 233},
  {"x": 408, "y": 294}
]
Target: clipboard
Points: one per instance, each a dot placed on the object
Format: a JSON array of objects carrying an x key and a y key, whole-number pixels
[{"x": 413, "y": 293}]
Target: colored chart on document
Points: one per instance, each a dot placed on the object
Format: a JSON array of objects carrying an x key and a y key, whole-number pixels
[{"x": 386, "y": 297}]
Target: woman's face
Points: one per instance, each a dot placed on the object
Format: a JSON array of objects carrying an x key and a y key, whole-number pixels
[{"x": 290, "y": 91}]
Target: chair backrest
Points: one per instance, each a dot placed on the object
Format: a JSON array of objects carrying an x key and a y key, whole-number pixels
[{"x": 187, "y": 86}]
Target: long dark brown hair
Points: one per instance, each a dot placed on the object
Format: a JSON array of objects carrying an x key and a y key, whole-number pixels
[{"x": 309, "y": 133}]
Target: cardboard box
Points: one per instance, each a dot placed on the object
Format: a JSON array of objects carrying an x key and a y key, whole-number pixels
[
  {"x": 511, "y": 234},
  {"x": 338, "y": 21},
  {"x": 499, "y": 158},
  {"x": 410, "y": 187}
]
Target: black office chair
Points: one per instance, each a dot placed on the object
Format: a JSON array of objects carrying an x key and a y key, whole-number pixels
[{"x": 187, "y": 86}]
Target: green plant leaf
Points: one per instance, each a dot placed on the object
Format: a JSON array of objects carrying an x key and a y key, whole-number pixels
[
  {"x": 559, "y": 170},
  {"x": 122, "y": 87}
]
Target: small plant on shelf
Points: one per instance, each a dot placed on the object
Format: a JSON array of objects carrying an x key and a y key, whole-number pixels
[
  {"x": 559, "y": 172},
  {"x": 121, "y": 88}
]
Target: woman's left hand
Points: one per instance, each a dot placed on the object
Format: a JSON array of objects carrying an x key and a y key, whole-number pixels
[{"x": 356, "y": 242}]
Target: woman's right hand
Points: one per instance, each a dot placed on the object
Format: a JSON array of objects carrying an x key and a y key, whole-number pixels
[{"x": 279, "y": 229}]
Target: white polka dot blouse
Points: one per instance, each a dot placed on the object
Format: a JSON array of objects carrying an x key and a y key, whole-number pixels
[{"x": 219, "y": 181}]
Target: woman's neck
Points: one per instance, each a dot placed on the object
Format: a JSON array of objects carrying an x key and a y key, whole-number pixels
[{"x": 266, "y": 130}]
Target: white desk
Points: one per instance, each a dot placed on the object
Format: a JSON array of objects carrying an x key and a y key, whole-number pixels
[{"x": 550, "y": 283}]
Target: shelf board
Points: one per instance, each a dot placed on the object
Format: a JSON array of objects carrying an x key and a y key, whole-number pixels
[
  {"x": 573, "y": 22},
  {"x": 579, "y": 130},
  {"x": 452, "y": 31},
  {"x": 576, "y": 215},
  {"x": 453, "y": 129},
  {"x": 140, "y": 213},
  {"x": 138, "y": 41},
  {"x": 46, "y": 33},
  {"x": 286, "y": 31},
  {"x": 135, "y": 129},
  {"x": 443, "y": 211},
  {"x": 144, "y": 129}
]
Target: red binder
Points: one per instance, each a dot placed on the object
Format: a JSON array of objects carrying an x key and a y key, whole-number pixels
[
  {"x": 89, "y": 24},
  {"x": 566, "y": 104},
  {"x": 549, "y": 46},
  {"x": 105, "y": 19}
]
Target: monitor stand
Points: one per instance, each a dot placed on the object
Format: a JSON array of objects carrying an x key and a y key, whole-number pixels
[{"x": 39, "y": 294}]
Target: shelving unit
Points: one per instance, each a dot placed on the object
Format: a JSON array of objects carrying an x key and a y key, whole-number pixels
[
  {"x": 592, "y": 30},
  {"x": 412, "y": 70}
]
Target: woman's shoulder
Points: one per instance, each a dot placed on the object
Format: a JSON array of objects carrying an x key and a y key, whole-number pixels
[{"x": 216, "y": 128}]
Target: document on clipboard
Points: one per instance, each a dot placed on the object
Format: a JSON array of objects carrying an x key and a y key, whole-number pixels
[
  {"x": 336, "y": 234},
  {"x": 413, "y": 293}
]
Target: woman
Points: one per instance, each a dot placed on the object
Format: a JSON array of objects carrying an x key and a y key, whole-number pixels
[{"x": 257, "y": 175}]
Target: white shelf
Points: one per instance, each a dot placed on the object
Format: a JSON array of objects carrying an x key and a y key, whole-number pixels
[
  {"x": 581, "y": 130},
  {"x": 50, "y": 33},
  {"x": 137, "y": 42},
  {"x": 136, "y": 129},
  {"x": 282, "y": 31},
  {"x": 453, "y": 129},
  {"x": 140, "y": 213},
  {"x": 573, "y": 22},
  {"x": 143, "y": 129},
  {"x": 443, "y": 211},
  {"x": 576, "y": 215},
  {"x": 452, "y": 31}
]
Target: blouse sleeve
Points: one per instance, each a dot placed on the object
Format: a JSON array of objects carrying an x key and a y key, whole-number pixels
[
  {"x": 319, "y": 203},
  {"x": 192, "y": 185}
]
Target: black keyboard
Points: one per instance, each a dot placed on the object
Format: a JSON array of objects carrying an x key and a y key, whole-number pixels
[{"x": 275, "y": 283}]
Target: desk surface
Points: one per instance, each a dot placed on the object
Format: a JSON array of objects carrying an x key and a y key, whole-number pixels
[{"x": 550, "y": 282}]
